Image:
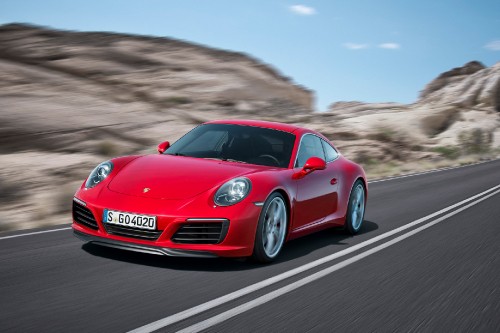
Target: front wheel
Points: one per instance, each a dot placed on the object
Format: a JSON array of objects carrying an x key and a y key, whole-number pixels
[
  {"x": 356, "y": 208},
  {"x": 271, "y": 230}
]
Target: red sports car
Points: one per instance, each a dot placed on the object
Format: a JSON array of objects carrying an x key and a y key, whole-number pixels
[{"x": 232, "y": 188}]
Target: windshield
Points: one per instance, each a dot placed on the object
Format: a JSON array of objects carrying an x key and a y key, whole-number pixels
[{"x": 236, "y": 143}]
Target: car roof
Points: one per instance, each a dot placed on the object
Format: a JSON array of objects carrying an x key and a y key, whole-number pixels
[{"x": 259, "y": 123}]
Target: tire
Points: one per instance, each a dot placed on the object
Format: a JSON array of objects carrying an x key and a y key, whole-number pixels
[
  {"x": 271, "y": 230},
  {"x": 356, "y": 208}
]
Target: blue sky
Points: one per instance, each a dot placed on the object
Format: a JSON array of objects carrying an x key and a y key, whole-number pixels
[{"x": 371, "y": 51}]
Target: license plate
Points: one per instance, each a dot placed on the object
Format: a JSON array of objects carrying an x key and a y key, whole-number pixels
[{"x": 129, "y": 220}]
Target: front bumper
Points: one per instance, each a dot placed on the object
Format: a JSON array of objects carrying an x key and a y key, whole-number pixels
[
  {"x": 141, "y": 248},
  {"x": 171, "y": 216}
]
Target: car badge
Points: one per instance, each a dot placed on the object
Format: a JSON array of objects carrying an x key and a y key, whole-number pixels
[{"x": 146, "y": 190}]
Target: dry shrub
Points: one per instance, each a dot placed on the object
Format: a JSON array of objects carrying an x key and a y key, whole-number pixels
[
  {"x": 475, "y": 141},
  {"x": 107, "y": 148},
  {"x": 416, "y": 147},
  {"x": 178, "y": 100},
  {"x": 396, "y": 144},
  {"x": 133, "y": 60},
  {"x": 344, "y": 136},
  {"x": 440, "y": 122},
  {"x": 364, "y": 158},
  {"x": 10, "y": 192},
  {"x": 224, "y": 102},
  {"x": 179, "y": 69},
  {"x": 7, "y": 222},
  {"x": 396, "y": 152},
  {"x": 383, "y": 135},
  {"x": 63, "y": 198}
]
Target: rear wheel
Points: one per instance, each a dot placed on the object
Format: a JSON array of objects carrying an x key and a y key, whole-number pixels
[
  {"x": 271, "y": 230},
  {"x": 356, "y": 208}
]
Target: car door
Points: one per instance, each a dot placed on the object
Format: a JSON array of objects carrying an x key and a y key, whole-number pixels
[{"x": 317, "y": 191}]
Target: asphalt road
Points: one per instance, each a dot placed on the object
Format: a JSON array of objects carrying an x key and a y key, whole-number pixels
[{"x": 441, "y": 273}]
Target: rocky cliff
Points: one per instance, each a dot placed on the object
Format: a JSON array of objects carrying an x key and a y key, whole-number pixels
[
  {"x": 456, "y": 115},
  {"x": 81, "y": 85},
  {"x": 160, "y": 71},
  {"x": 470, "y": 86}
]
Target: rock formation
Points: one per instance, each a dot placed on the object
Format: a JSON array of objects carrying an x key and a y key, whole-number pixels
[
  {"x": 456, "y": 120},
  {"x": 469, "y": 86}
]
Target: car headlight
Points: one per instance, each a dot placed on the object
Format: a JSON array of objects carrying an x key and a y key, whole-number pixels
[
  {"x": 232, "y": 192},
  {"x": 99, "y": 174}
]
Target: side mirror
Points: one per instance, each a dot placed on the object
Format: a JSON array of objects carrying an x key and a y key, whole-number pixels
[
  {"x": 312, "y": 164},
  {"x": 163, "y": 146}
]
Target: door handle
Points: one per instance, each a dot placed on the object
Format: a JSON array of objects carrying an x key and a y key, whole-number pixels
[{"x": 333, "y": 181}]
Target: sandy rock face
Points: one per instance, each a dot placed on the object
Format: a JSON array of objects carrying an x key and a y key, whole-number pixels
[
  {"x": 456, "y": 118},
  {"x": 472, "y": 85},
  {"x": 161, "y": 71},
  {"x": 451, "y": 76}
]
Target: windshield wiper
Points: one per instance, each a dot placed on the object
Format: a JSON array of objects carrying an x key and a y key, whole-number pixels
[
  {"x": 224, "y": 159},
  {"x": 176, "y": 154},
  {"x": 231, "y": 160}
]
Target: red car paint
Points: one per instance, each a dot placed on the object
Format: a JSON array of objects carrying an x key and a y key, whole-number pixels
[{"x": 181, "y": 188}]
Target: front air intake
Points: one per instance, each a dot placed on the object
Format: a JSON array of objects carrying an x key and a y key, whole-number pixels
[
  {"x": 82, "y": 215},
  {"x": 204, "y": 232}
]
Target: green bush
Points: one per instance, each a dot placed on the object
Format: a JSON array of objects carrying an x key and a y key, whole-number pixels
[
  {"x": 178, "y": 100},
  {"x": 448, "y": 152}
]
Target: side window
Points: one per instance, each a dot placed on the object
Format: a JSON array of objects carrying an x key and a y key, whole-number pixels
[
  {"x": 310, "y": 146},
  {"x": 330, "y": 152}
]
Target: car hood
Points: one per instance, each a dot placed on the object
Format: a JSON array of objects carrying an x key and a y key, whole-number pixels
[{"x": 175, "y": 177}]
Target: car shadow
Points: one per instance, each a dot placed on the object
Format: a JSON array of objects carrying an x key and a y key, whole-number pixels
[
  {"x": 293, "y": 249},
  {"x": 335, "y": 236}
]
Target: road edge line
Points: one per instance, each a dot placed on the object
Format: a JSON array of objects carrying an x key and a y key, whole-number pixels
[{"x": 35, "y": 233}]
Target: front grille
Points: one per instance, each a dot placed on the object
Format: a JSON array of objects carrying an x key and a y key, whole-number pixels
[
  {"x": 201, "y": 233},
  {"x": 82, "y": 215},
  {"x": 132, "y": 232}
]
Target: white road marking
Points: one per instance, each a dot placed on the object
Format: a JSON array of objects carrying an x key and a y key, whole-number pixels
[
  {"x": 428, "y": 171},
  {"x": 370, "y": 182},
  {"x": 313, "y": 277},
  {"x": 270, "y": 281},
  {"x": 34, "y": 233}
]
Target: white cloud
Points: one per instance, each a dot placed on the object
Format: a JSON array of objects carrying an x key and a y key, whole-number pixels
[
  {"x": 493, "y": 46},
  {"x": 389, "y": 46},
  {"x": 355, "y": 46},
  {"x": 302, "y": 10}
]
